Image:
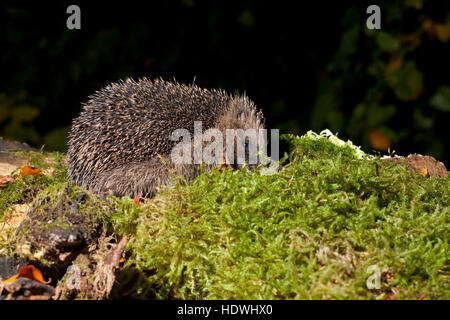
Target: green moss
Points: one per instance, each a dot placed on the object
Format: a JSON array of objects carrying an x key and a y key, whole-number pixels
[
  {"x": 310, "y": 231},
  {"x": 35, "y": 159},
  {"x": 22, "y": 190},
  {"x": 59, "y": 212},
  {"x": 25, "y": 189},
  {"x": 62, "y": 202}
]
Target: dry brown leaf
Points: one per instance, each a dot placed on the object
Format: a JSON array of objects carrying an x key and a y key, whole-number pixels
[
  {"x": 30, "y": 272},
  {"x": 424, "y": 172},
  {"x": 137, "y": 199},
  {"x": 29, "y": 171}
]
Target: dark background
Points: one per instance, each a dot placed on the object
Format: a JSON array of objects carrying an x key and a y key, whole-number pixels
[{"x": 308, "y": 65}]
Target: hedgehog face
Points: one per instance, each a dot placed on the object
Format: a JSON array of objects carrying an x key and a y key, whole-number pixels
[{"x": 241, "y": 126}]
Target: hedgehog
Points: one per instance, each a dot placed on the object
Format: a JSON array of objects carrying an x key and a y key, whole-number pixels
[{"x": 121, "y": 142}]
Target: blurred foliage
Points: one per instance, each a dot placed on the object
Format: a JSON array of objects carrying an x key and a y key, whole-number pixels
[
  {"x": 383, "y": 89},
  {"x": 402, "y": 66}
]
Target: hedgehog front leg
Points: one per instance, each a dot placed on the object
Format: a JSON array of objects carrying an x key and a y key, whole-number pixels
[{"x": 135, "y": 178}]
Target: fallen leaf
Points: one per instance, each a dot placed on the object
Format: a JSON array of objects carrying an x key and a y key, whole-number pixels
[
  {"x": 29, "y": 171},
  {"x": 424, "y": 172},
  {"x": 137, "y": 199},
  {"x": 30, "y": 272}
]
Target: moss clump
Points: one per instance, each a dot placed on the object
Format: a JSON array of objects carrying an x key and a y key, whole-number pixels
[
  {"x": 310, "y": 231},
  {"x": 318, "y": 229},
  {"x": 63, "y": 218}
]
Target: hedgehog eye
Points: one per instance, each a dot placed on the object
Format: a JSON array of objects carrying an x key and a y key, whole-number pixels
[{"x": 246, "y": 143}]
